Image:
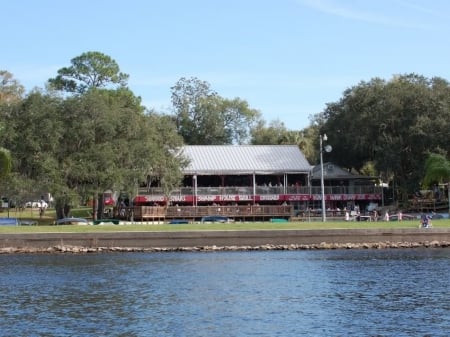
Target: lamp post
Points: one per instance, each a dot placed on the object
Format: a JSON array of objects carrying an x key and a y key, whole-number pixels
[
  {"x": 194, "y": 200},
  {"x": 322, "y": 183}
]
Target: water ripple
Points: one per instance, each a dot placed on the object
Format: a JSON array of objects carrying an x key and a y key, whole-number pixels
[{"x": 274, "y": 293}]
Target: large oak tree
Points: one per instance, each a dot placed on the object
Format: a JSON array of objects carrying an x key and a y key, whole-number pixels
[
  {"x": 94, "y": 137},
  {"x": 394, "y": 124}
]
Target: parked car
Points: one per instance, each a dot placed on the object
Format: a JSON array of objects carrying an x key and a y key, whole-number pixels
[
  {"x": 216, "y": 218},
  {"x": 36, "y": 204},
  {"x": 71, "y": 221}
]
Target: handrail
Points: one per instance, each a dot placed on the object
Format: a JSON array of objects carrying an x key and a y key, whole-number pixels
[
  {"x": 264, "y": 190},
  {"x": 140, "y": 213}
]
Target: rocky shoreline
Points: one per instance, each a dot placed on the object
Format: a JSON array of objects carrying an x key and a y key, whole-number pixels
[
  {"x": 205, "y": 241},
  {"x": 321, "y": 246}
]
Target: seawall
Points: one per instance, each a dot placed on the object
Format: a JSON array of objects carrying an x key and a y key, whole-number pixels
[{"x": 224, "y": 240}]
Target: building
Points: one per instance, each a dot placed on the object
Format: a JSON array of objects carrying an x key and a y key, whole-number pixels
[
  {"x": 257, "y": 181},
  {"x": 344, "y": 188}
]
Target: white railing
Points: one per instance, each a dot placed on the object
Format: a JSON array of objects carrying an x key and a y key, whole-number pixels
[{"x": 261, "y": 190}]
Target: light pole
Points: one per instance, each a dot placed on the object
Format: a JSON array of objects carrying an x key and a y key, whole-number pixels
[
  {"x": 322, "y": 183},
  {"x": 194, "y": 201}
]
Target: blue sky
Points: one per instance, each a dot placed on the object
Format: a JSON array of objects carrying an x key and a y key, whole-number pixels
[{"x": 286, "y": 58}]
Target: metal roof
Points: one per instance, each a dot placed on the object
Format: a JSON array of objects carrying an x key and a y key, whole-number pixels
[
  {"x": 244, "y": 159},
  {"x": 332, "y": 171}
]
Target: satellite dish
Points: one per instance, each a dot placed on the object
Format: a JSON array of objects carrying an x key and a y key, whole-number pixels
[{"x": 328, "y": 148}]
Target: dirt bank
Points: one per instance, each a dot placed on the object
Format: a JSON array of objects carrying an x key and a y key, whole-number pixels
[{"x": 224, "y": 240}]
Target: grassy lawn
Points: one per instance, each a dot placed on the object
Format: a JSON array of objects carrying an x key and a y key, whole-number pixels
[
  {"x": 46, "y": 224},
  {"x": 48, "y": 217},
  {"x": 218, "y": 226}
]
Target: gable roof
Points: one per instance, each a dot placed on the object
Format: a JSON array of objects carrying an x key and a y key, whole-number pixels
[
  {"x": 244, "y": 159},
  {"x": 332, "y": 171}
]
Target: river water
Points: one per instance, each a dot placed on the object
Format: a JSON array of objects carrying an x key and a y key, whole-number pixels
[{"x": 403, "y": 292}]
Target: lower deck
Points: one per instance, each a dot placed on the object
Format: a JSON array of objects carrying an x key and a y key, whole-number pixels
[{"x": 197, "y": 213}]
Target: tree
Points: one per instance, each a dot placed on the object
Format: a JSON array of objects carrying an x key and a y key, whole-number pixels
[
  {"x": 392, "y": 124},
  {"x": 10, "y": 93},
  {"x": 437, "y": 170},
  {"x": 273, "y": 134},
  {"x": 167, "y": 161},
  {"x": 89, "y": 70},
  {"x": 82, "y": 145},
  {"x": 204, "y": 118},
  {"x": 306, "y": 140},
  {"x": 111, "y": 143},
  {"x": 33, "y": 134},
  {"x": 276, "y": 133},
  {"x": 10, "y": 89},
  {"x": 5, "y": 162}
]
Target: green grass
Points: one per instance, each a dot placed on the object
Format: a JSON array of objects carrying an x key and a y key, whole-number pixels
[
  {"x": 45, "y": 224},
  {"x": 219, "y": 226},
  {"x": 49, "y": 216}
]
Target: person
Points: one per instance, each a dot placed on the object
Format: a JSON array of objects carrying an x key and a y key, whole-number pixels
[
  {"x": 437, "y": 193},
  {"x": 424, "y": 221},
  {"x": 122, "y": 208},
  {"x": 42, "y": 205},
  {"x": 400, "y": 216},
  {"x": 386, "y": 216}
]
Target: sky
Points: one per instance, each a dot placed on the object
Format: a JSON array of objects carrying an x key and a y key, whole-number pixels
[{"x": 286, "y": 58}]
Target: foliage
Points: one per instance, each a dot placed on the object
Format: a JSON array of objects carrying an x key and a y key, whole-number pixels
[
  {"x": 11, "y": 92},
  {"x": 5, "y": 162},
  {"x": 111, "y": 143},
  {"x": 204, "y": 118},
  {"x": 10, "y": 88},
  {"x": 369, "y": 169},
  {"x": 437, "y": 170},
  {"x": 102, "y": 138},
  {"x": 276, "y": 133},
  {"x": 79, "y": 146},
  {"x": 307, "y": 144},
  {"x": 89, "y": 70},
  {"x": 393, "y": 124},
  {"x": 167, "y": 164}
]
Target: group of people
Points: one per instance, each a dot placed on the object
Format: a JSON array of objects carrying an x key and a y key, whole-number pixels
[{"x": 374, "y": 216}]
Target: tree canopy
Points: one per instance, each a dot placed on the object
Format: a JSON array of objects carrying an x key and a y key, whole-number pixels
[
  {"x": 393, "y": 124},
  {"x": 204, "y": 118},
  {"x": 276, "y": 133},
  {"x": 98, "y": 136},
  {"x": 437, "y": 170},
  {"x": 10, "y": 88},
  {"x": 11, "y": 92},
  {"x": 5, "y": 162},
  {"x": 89, "y": 70},
  {"x": 79, "y": 146}
]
